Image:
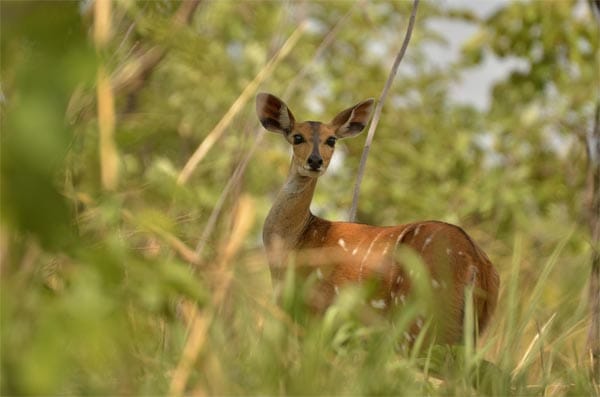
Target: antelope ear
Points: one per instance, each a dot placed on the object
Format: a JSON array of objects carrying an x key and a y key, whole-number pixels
[
  {"x": 274, "y": 114},
  {"x": 353, "y": 120}
]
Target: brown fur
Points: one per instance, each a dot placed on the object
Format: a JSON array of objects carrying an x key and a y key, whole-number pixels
[{"x": 345, "y": 252}]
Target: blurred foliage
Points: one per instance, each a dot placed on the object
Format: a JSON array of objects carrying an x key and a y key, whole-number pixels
[{"x": 92, "y": 280}]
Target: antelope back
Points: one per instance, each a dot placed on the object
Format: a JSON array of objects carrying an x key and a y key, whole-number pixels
[{"x": 344, "y": 252}]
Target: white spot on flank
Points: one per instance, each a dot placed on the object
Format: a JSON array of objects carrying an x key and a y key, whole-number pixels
[
  {"x": 320, "y": 274},
  {"x": 461, "y": 253},
  {"x": 385, "y": 250},
  {"x": 355, "y": 250},
  {"x": 448, "y": 251},
  {"x": 427, "y": 241},
  {"x": 362, "y": 263},
  {"x": 399, "y": 238},
  {"x": 435, "y": 284},
  {"x": 417, "y": 230},
  {"x": 342, "y": 244},
  {"x": 336, "y": 289},
  {"x": 378, "y": 304}
]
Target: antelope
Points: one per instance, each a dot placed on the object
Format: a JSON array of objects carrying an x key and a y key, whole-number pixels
[{"x": 342, "y": 253}]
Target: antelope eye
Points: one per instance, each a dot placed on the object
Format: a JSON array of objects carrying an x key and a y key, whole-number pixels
[
  {"x": 298, "y": 139},
  {"x": 331, "y": 141}
]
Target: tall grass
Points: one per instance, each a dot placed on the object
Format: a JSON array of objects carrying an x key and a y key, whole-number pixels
[
  {"x": 233, "y": 339},
  {"x": 256, "y": 347}
]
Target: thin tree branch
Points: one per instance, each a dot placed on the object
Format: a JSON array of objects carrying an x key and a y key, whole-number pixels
[
  {"x": 378, "y": 108},
  {"x": 182, "y": 250}
]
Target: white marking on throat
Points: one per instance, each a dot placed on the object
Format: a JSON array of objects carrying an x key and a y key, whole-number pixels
[{"x": 295, "y": 186}]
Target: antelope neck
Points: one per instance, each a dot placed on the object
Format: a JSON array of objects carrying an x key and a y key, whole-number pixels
[{"x": 290, "y": 214}]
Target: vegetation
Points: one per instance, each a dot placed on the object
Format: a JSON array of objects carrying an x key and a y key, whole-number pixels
[{"x": 123, "y": 275}]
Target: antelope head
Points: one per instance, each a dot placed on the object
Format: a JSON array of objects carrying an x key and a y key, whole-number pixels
[{"x": 313, "y": 142}]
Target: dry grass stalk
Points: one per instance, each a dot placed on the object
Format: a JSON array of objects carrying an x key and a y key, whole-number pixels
[
  {"x": 243, "y": 220},
  {"x": 199, "y": 322},
  {"x": 536, "y": 341},
  {"x": 102, "y": 25},
  {"x": 198, "y": 329},
  {"x": 216, "y": 133},
  {"x": 109, "y": 160},
  {"x": 182, "y": 250}
]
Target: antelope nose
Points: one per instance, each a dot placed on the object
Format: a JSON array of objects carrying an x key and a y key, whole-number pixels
[{"x": 315, "y": 161}]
